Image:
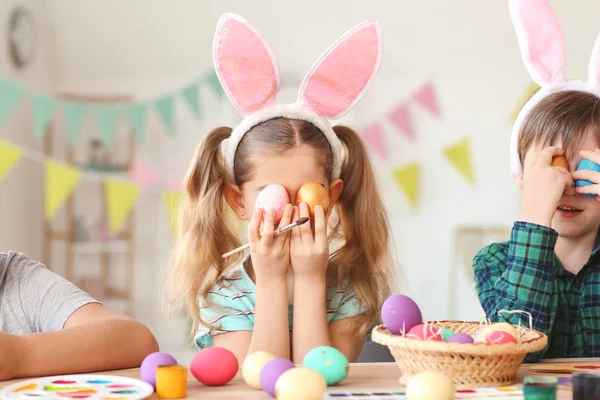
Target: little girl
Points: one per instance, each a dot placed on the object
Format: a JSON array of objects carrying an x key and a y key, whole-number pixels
[{"x": 250, "y": 304}]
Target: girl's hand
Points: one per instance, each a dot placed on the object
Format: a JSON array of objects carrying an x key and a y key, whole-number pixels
[
  {"x": 309, "y": 254},
  {"x": 589, "y": 175},
  {"x": 270, "y": 255}
]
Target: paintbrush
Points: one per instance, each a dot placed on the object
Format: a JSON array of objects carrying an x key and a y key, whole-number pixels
[{"x": 278, "y": 232}]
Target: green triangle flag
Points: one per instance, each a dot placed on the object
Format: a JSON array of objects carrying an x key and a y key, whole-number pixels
[
  {"x": 136, "y": 115},
  {"x": 107, "y": 118},
  {"x": 75, "y": 114},
  {"x": 164, "y": 107},
  {"x": 43, "y": 108},
  {"x": 213, "y": 82},
  {"x": 190, "y": 96},
  {"x": 10, "y": 95}
]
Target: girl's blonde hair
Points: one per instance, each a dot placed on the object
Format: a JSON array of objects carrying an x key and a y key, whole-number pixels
[{"x": 207, "y": 227}]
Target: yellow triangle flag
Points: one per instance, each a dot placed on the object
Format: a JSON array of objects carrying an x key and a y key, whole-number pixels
[
  {"x": 61, "y": 180},
  {"x": 529, "y": 91},
  {"x": 120, "y": 198},
  {"x": 460, "y": 156},
  {"x": 408, "y": 179},
  {"x": 9, "y": 155},
  {"x": 171, "y": 200}
]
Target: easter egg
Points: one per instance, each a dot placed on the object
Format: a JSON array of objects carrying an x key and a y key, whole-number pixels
[
  {"x": 430, "y": 385},
  {"x": 214, "y": 366},
  {"x": 151, "y": 362},
  {"x": 505, "y": 327},
  {"x": 500, "y": 337},
  {"x": 424, "y": 332},
  {"x": 329, "y": 362},
  {"x": 313, "y": 194},
  {"x": 460, "y": 338},
  {"x": 560, "y": 161},
  {"x": 586, "y": 164},
  {"x": 446, "y": 333},
  {"x": 273, "y": 197},
  {"x": 252, "y": 366},
  {"x": 482, "y": 333},
  {"x": 271, "y": 372},
  {"x": 400, "y": 313},
  {"x": 300, "y": 384}
]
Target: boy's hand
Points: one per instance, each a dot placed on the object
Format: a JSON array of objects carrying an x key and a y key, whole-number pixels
[
  {"x": 10, "y": 348},
  {"x": 589, "y": 175},
  {"x": 543, "y": 186}
]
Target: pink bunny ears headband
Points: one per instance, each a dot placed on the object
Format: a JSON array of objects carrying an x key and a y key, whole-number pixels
[
  {"x": 249, "y": 75},
  {"x": 543, "y": 50}
]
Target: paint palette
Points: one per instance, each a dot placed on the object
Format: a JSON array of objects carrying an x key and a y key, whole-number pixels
[
  {"x": 88, "y": 387},
  {"x": 503, "y": 393}
]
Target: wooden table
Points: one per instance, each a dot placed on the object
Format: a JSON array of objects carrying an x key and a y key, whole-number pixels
[{"x": 379, "y": 376}]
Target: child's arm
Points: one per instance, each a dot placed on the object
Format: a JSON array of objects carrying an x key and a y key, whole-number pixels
[
  {"x": 520, "y": 277},
  {"x": 94, "y": 338}
]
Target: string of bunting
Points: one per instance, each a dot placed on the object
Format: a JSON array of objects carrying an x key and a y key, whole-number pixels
[
  {"x": 121, "y": 191},
  {"x": 44, "y": 108}
]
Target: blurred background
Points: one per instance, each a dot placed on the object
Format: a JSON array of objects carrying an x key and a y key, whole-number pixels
[{"x": 102, "y": 104}]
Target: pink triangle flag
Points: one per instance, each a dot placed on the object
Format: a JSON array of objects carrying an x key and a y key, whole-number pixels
[
  {"x": 373, "y": 136},
  {"x": 427, "y": 99},
  {"x": 402, "y": 120},
  {"x": 142, "y": 175}
]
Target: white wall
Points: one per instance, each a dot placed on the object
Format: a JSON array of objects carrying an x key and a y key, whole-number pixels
[{"x": 467, "y": 48}]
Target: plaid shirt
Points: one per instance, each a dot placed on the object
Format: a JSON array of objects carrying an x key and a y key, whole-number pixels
[{"x": 524, "y": 274}]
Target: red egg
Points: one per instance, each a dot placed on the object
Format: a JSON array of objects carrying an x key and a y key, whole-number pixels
[
  {"x": 313, "y": 194},
  {"x": 500, "y": 337},
  {"x": 425, "y": 332},
  {"x": 214, "y": 366}
]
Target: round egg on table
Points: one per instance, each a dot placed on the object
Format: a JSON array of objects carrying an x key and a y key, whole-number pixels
[
  {"x": 430, "y": 385},
  {"x": 300, "y": 384},
  {"x": 313, "y": 194},
  {"x": 153, "y": 361},
  {"x": 400, "y": 314},
  {"x": 329, "y": 362},
  {"x": 214, "y": 366},
  {"x": 271, "y": 372},
  {"x": 273, "y": 197},
  {"x": 252, "y": 366}
]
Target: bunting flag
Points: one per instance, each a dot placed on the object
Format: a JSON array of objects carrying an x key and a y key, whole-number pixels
[
  {"x": 10, "y": 95},
  {"x": 401, "y": 119},
  {"x": 136, "y": 115},
  {"x": 164, "y": 108},
  {"x": 9, "y": 155},
  {"x": 107, "y": 118},
  {"x": 120, "y": 198},
  {"x": 43, "y": 108},
  {"x": 374, "y": 138},
  {"x": 530, "y": 90},
  {"x": 459, "y": 155},
  {"x": 60, "y": 181},
  {"x": 427, "y": 98},
  {"x": 407, "y": 178},
  {"x": 213, "y": 82},
  {"x": 171, "y": 200},
  {"x": 75, "y": 114},
  {"x": 190, "y": 97},
  {"x": 142, "y": 175}
]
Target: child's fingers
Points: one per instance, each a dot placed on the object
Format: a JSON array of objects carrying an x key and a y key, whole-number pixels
[
  {"x": 587, "y": 175},
  {"x": 589, "y": 189},
  {"x": 296, "y": 235},
  {"x": 593, "y": 156},
  {"x": 286, "y": 219},
  {"x": 305, "y": 229},
  {"x": 546, "y": 154},
  {"x": 320, "y": 225},
  {"x": 268, "y": 228},
  {"x": 254, "y": 227}
]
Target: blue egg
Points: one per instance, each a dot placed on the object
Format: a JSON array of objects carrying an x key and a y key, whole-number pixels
[
  {"x": 329, "y": 362},
  {"x": 587, "y": 165}
]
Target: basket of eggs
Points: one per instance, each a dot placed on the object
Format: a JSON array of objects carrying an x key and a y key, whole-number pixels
[{"x": 472, "y": 354}]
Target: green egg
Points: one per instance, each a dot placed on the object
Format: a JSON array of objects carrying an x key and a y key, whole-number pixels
[
  {"x": 446, "y": 333},
  {"x": 329, "y": 362}
]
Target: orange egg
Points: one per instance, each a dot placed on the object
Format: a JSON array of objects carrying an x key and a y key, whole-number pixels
[
  {"x": 560, "y": 161},
  {"x": 313, "y": 194}
]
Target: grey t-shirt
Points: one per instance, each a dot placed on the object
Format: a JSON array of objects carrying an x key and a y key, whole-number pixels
[{"x": 33, "y": 299}]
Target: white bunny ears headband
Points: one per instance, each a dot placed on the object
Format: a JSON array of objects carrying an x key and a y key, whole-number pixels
[
  {"x": 543, "y": 50},
  {"x": 249, "y": 75}
]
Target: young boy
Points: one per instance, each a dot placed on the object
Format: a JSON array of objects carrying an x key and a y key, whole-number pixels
[
  {"x": 48, "y": 326},
  {"x": 550, "y": 267}
]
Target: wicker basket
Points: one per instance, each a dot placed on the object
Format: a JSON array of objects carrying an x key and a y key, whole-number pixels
[{"x": 469, "y": 365}]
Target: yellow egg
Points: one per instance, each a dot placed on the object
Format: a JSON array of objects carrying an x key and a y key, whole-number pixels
[
  {"x": 300, "y": 384},
  {"x": 504, "y": 327},
  {"x": 430, "y": 385},
  {"x": 252, "y": 366},
  {"x": 313, "y": 194}
]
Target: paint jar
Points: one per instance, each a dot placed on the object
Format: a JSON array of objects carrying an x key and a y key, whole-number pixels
[
  {"x": 171, "y": 382},
  {"x": 586, "y": 386},
  {"x": 540, "y": 387}
]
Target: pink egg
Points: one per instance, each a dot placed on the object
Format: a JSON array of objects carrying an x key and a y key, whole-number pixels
[
  {"x": 273, "y": 197},
  {"x": 425, "y": 332},
  {"x": 500, "y": 337}
]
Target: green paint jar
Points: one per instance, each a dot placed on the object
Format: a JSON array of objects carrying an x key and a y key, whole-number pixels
[{"x": 540, "y": 387}]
